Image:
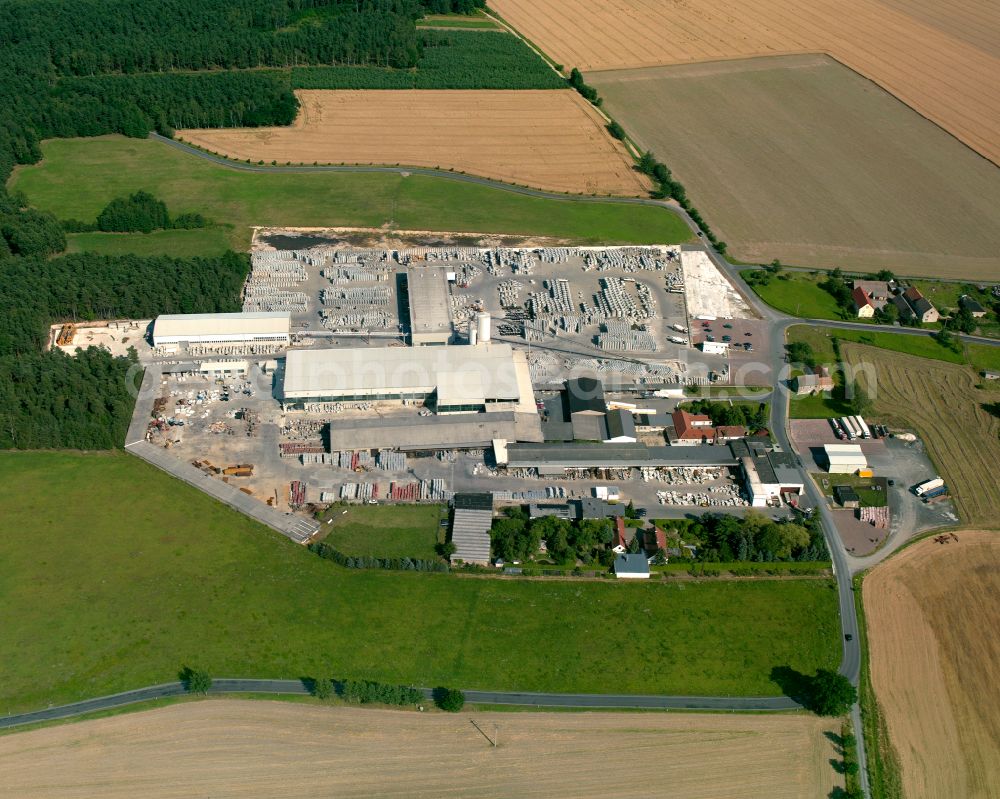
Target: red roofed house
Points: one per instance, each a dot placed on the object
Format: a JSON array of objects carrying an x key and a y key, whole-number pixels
[
  {"x": 619, "y": 543},
  {"x": 654, "y": 541},
  {"x": 862, "y": 303},
  {"x": 726, "y": 433},
  {"x": 691, "y": 429}
]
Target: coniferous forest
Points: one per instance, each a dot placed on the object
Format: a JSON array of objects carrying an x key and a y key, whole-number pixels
[{"x": 94, "y": 67}]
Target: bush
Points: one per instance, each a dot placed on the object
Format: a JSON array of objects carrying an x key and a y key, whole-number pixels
[
  {"x": 322, "y": 688},
  {"x": 367, "y": 691},
  {"x": 616, "y": 130},
  {"x": 449, "y": 699},
  {"x": 195, "y": 681}
]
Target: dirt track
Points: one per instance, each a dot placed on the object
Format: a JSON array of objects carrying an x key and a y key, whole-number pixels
[
  {"x": 551, "y": 139},
  {"x": 933, "y": 618},
  {"x": 239, "y": 749},
  {"x": 940, "y": 58}
]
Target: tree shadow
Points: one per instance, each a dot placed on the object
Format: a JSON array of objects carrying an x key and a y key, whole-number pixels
[{"x": 793, "y": 684}]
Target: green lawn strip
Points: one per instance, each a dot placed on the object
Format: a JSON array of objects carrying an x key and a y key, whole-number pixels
[
  {"x": 870, "y": 496},
  {"x": 78, "y": 177},
  {"x": 983, "y": 356},
  {"x": 796, "y": 293},
  {"x": 821, "y": 340},
  {"x": 775, "y": 568},
  {"x": 178, "y": 243},
  {"x": 384, "y": 531},
  {"x": 884, "y": 775},
  {"x": 476, "y": 20},
  {"x": 118, "y": 576}
]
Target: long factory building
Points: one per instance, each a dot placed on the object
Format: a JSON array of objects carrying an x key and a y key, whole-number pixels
[
  {"x": 222, "y": 328},
  {"x": 449, "y": 380}
]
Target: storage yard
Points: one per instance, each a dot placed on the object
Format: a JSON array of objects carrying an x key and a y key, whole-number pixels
[
  {"x": 932, "y": 614},
  {"x": 941, "y": 59},
  {"x": 801, "y": 159},
  {"x": 360, "y": 407},
  {"x": 549, "y": 139}
]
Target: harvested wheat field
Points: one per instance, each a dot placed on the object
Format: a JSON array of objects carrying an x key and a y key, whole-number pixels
[
  {"x": 550, "y": 139},
  {"x": 239, "y": 749},
  {"x": 941, "y": 402},
  {"x": 923, "y": 52},
  {"x": 933, "y": 616},
  {"x": 801, "y": 159}
]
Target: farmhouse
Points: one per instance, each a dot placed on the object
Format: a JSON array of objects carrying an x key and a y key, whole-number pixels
[
  {"x": 971, "y": 305},
  {"x": 916, "y": 305},
  {"x": 877, "y": 292},
  {"x": 863, "y": 307},
  {"x": 221, "y": 328},
  {"x": 844, "y": 458},
  {"x": 619, "y": 539},
  {"x": 691, "y": 429},
  {"x": 812, "y": 384},
  {"x": 470, "y": 528}
]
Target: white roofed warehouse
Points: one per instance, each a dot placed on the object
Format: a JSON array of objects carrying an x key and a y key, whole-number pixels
[
  {"x": 488, "y": 378},
  {"x": 222, "y": 328},
  {"x": 844, "y": 458}
]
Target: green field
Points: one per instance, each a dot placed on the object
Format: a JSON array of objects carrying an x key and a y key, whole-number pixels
[
  {"x": 475, "y": 21},
  {"x": 78, "y": 177},
  {"x": 114, "y": 575},
  {"x": 385, "y": 531},
  {"x": 796, "y": 294},
  {"x": 178, "y": 243},
  {"x": 821, "y": 340}
]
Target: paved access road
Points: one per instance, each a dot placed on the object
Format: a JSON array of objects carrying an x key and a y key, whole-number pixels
[{"x": 541, "y": 700}]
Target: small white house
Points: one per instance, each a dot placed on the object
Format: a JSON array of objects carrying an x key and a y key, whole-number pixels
[{"x": 631, "y": 567}]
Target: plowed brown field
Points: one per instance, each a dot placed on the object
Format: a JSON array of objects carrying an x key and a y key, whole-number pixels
[
  {"x": 240, "y": 749},
  {"x": 933, "y": 615},
  {"x": 550, "y": 139},
  {"x": 941, "y": 58},
  {"x": 799, "y": 158},
  {"x": 941, "y": 402}
]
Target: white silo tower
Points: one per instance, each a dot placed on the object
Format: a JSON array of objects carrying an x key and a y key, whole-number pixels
[{"x": 483, "y": 324}]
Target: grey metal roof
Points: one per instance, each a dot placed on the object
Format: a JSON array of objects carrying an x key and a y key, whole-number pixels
[
  {"x": 631, "y": 564},
  {"x": 616, "y": 455},
  {"x": 588, "y": 427},
  {"x": 585, "y": 394},
  {"x": 593, "y": 508},
  {"x": 470, "y": 533},
  {"x": 479, "y": 501},
  {"x": 620, "y": 423},
  {"x": 427, "y": 287},
  {"x": 424, "y": 432},
  {"x": 970, "y": 304},
  {"x": 202, "y": 324}
]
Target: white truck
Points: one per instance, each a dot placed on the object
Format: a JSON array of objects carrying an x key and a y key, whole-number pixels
[
  {"x": 862, "y": 425},
  {"x": 679, "y": 328},
  {"x": 928, "y": 485},
  {"x": 677, "y": 339}
]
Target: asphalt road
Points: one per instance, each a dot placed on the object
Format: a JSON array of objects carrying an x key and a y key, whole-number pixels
[{"x": 278, "y": 687}]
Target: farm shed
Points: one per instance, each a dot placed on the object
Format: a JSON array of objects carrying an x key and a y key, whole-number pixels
[
  {"x": 221, "y": 328},
  {"x": 846, "y": 497},
  {"x": 844, "y": 458}
]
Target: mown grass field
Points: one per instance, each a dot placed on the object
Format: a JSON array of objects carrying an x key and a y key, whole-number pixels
[
  {"x": 797, "y": 294},
  {"x": 385, "y": 531},
  {"x": 178, "y": 243},
  {"x": 78, "y": 177},
  {"x": 115, "y": 575}
]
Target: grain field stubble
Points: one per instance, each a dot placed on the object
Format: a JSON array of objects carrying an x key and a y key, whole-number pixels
[
  {"x": 230, "y": 748},
  {"x": 942, "y": 61},
  {"x": 550, "y": 139},
  {"x": 933, "y": 611}
]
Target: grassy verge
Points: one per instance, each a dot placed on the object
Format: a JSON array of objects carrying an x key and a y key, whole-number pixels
[
  {"x": 119, "y": 575},
  {"x": 749, "y": 569},
  {"x": 474, "y": 21},
  {"x": 385, "y": 531},
  {"x": 78, "y": 177},
  {"x": 884, "y": 776},
  {"x": 821, "y": 341}
]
